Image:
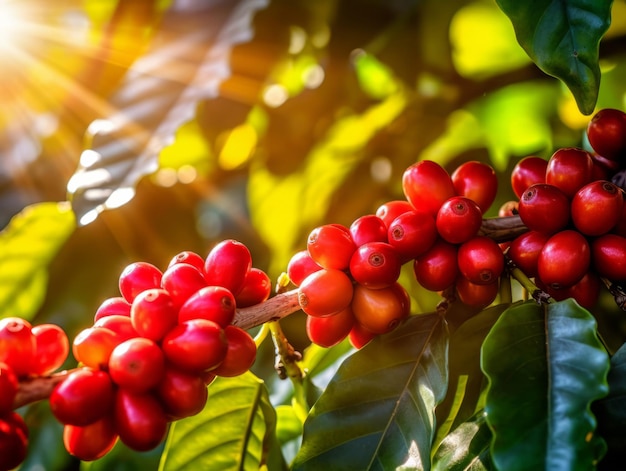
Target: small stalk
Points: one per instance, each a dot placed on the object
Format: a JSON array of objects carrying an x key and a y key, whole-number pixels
[{"x": 537, "y": 294}]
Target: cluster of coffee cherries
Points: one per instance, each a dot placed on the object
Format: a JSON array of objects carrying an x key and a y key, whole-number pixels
[
  {"x": 151, "y": 352},
  {"x": 347, "y": 277},
  {"x": 573, "y": 206},
  {"x": 25, "y": 351}
]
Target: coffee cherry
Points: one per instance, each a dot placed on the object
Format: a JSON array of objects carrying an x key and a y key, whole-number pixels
[
  {"x": 359, "y": 337},
  {"x": 181, "y": 281},
  {"x": 121, "y": 325},
  {"x": 330, "y": 330},
  {"x": 195, "y": 345},
  {"x": 544, "y": 208},
  {"x": 474, "y": 295},
  {"x": 412, "y": 233},
  {"x": 93, "y": 346},
  {"x": 426, "y": 185},
  {"x": 528, "y": 171},
  {"x": 325, "y": 292},
  {"x": 564, "y": 259},
  {"x": 437, "y": 269},
  {"x": 214, "y": 303},
  {"x": 375, "y": 265},
  {"x": 585, "y": 292},
  {"x": 52, "y": 347},
  {"x": 227, "y": 265},
  {"x": 524, "y": 251},
  {"x": 8, "y": 388},
  {"x": 569, "y": 169},
  {"x": 137, "y": 364},
  {"x": 154, "y": 313},
  {"x": 90, "y": 442},
  {"x": 257, "y": 288},
  {"x": 115, "y": 306},
  {"x": 18, "y": 345},
  {"x": 85, "y": 396},
  {"x": 369, "y": 228},
  {"x": 181, "y": 394},
  {"x": 380, "y": 310},
  {"x": 13, "y": 440},
  {"x": 140, "y": 420},
  {"x": 190, "y": 258},
  {"x": 480, "y": 260},
  {"x": 608, "y": 253},
  {"x": 597, "y": 207},
  {"x": 607, "y": 133},
  {"x": 392, "y": 209},
  {"x": 331, "y": 246},
  {"x": 458, "y": 220},
  {"x": 476, "y": 181},
  {"x": 138, "y": 277},
  {"x": 240, "y": 355},
  {"x": 300, "y": 266}
]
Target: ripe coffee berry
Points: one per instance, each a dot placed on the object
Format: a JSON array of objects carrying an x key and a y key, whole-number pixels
[
  {"x": 8, "y": 388},
  {"x": 564, "y": 259},
  {"x": 597, "y": 207},
  {"x": 300, "y": 266},
  {"x": 93, "y": 346},
  {"x": 90, "y": 442},
  {"x": 569, "y": 169},
  {"x": 18, "y": 345},
  {"x": 121, "y": 325},
  {"x": 137, "y": 364},
  {"x": 257, "y": 288},
  {"x": 527, "y": 172},
  {"x": 476, "y": 181},
  {"x": 181, "y": 281},
  {"x": 544, "y": 208},
  {"x": 227, "y": 265},
  {"x": 375, "y": 265},
  {"x": 359, "y": 336},
  {"x": 427, "y": 185},
  {"x": 412, "y": 233},
  {"x": 524, "y": 251},
  {"x": 380, "y": 310},
  {"x": 368, "y": 228},
  {"x": 214, "y": 303},
  {"x": 474, "y": 295},
  {"x": 437, "y": 269},
  {"x": 138, "y": 277},
  {"x": 330, "y": 330},
  {"x": 52, "y": 347},
  {"x": 325, "y": 292},
  {"x": 139, "y": 419},
  {"x": 181, "y": 394},
  {"x": 331, "y": 246},
  {"x": 585, "y": 292},
  {"x": 458, "y": 220},
  {"x": 240, "y": 355},
  {"x": 190, "y": 258},
  {"x": 13, "y": 440},
  {"x": 112, "y": 307},
  {"x": 607, "y": 133},
  {"x": 154, "y": 313},
  {"x": 608, "y": 253},
  {"x": 480, "y": 260},
  {"x": 392, "y": 209}
]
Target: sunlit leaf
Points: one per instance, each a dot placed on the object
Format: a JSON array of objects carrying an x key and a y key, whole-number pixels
[
  {"x": 376, "y": 79},
  {"x": 562, "y": 37},
  {"x": 380, "y": 404},
  {"x": 545, "y": 366},
  {"x": 159, "y": 94},
  {"x": 27, "y": 246},
  {"x": 234, "y": 431}
]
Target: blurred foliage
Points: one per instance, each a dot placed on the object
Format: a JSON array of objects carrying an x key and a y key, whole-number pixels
[{"x": 323, "y": 108}]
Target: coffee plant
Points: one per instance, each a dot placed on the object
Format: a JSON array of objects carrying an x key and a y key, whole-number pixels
[{"x": 344, "y": 235}]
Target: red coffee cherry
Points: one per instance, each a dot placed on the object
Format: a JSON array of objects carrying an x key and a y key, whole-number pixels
[
  {"x": 190, "y": 258},
  {"x": 139, "y": 419},
  {"x": 458, "y": 220},
  {"x": 480, "y": 260},
  {"x": 8, "y": 388},
  {"x": 359, "y": 337},
  {"x": 240, "y": 355},
  {"x": 607, "y": 133},
  {"x": 214, "y": 303},
  {"x": 608, "y": 253},
  {"x": 524, "y": 251},
  {"x": 115, "y": 306},
  {"x": 154, "y": 313},
  {"x": 331, "y": 246},
  {"x": 330, "y": 330},
  {"x": 227, "y": 265},
  {"x": 181, "y": 281},
  {"x": 195, "y": 345},
  {"x": 544, "y": 208},
  {"x": 392, "y": 209},
  {"x": 325, "y": 292},
  {"x": 569, "y": 169},
  {"x": 13, "y": 440},
  {"x": 137, "y": 364},
  {"x": 528, "y": 171},
  {"x": 476, "y": 181},
  {"x": 138, "y": 277},
  {"x": 93, "y": 346},
  {"x": 412, "y": 233},
  {"x": 181, "y": 394},
  {"x": 368, "y": 228},
  {"x": 564, "y": 259},
  {"x": 86, "y": 395},
  {"x": 380, "y": 310},
  {"x": 375, "y": 265},
  {"x": 437, "y": 269},
  {"x": 474, "y": 295},
  {"x": 18, "y": 345},
  {"x": 597, "y": 207},
  {"x": 300, "y": 266},
  {"x": 90, "y": 442},
  {"x": 586, "y": 291},
  {"x": 121, "y": 325},
  {"x": 426, "y": 185},
  {"x": 257, "y": 288},
  {"x": 52, "y": 347}
]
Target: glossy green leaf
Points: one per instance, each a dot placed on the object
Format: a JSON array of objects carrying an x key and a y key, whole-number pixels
[
  {"x": 234, "y": 431},
  {"x": 545, "y": 366},
  {"x": 466, "y": 448},
  {"x": 27, "y": 245},
  {"x": 562, "y": 37},
  {"x": 378, "y": 411}
]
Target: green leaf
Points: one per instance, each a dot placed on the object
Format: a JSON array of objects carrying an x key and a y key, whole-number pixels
[
  {"x": 378, "y": 411},
  {"x": 562, "y": 37},
  {"x": 27, "y": 246},
  {"x": 466, "y": 448},
  {"x": 545, "y": 367},
  {"x": 234, "y": 431}
]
